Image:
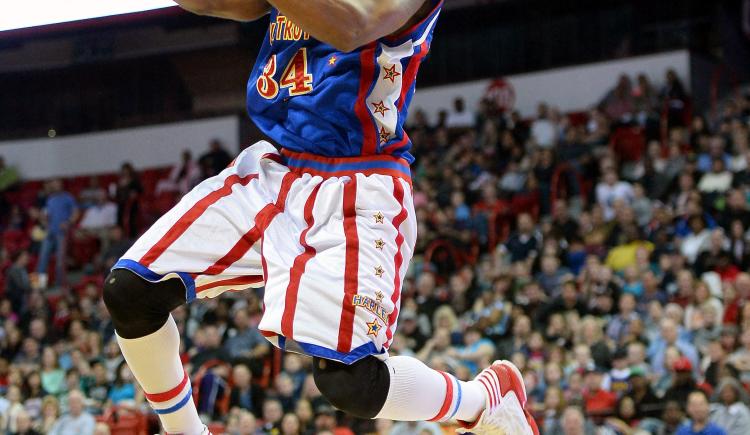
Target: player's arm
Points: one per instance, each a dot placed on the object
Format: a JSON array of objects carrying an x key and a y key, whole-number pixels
[
  {"x": 348, "y": 24},
  {"x": 239, "y": 10}
]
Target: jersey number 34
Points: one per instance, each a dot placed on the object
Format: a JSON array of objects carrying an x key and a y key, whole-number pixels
[{"x": 295, "y": 77}]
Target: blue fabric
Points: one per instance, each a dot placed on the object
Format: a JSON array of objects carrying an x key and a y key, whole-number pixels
[
  {"x": 321, "y": 118},
  {"x": 710, "y": 429},
  {"x": 123, "y": 392},
  {"x": 178, "y": 406},
  {"x": 151, "y": 276},
  {"x": 458, "y": 398},
  {"x": 323, "y": 352},
  {"x": 60, "y": 207}
]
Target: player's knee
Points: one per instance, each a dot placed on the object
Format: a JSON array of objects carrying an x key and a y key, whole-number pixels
[
  {"x": 359, "y": 389},
  {"x": 139, "y": 307}
]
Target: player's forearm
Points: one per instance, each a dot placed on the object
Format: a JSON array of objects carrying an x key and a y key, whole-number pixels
[
  {"x": 348, "y": 24},
  {"x": 239, "y": 10}
]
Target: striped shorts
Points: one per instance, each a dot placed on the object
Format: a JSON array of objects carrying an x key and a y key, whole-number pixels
[{"x": 330, "y": 239}]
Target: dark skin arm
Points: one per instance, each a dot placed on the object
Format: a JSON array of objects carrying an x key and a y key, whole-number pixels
[
  {"x": 348, "y": 24},
  {"x": 344, "y": 24},
  {"x": 238, "y": 10}
]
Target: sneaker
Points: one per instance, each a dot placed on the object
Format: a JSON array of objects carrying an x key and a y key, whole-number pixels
[{"x": 505, "y": 412}]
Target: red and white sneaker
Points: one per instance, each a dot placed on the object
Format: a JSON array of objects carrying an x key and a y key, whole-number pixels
[{"x": 505, "y": 411}]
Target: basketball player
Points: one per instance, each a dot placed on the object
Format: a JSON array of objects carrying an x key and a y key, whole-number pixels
[{"x": 326, "y": 225}]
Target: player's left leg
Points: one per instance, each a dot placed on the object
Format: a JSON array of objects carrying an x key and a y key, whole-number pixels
[{"x": 404, "y": 389}]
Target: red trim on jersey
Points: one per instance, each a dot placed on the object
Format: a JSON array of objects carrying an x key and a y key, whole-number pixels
[
  {"x": 262, "y": 220},
  {"x": 397, "y": 145},
  {"x": 168, "y": 395},
  {"x": 412, "y": 29},
  {"x": 448, "y": 398},
  {"x": 351, "y": 268},
  {"x": 240, "y": 281},
  {"x": 191, "y": 216},
  {"x": 267, "y": 333},
  {"x": 398, "y": 193},
  {"x": 369, "y": 135},
  {"x": 410, "y": 75},
  {"x": 298, "y": 268}
]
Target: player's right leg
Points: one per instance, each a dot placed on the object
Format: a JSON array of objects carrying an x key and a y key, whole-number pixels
[{"x": 205, "y": 245}]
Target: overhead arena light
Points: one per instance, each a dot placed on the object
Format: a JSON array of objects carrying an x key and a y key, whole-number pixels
[{"x": 34, "y": 13}]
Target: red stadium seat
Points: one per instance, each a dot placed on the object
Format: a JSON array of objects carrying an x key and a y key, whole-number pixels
[{"x": 124, "y": 421}]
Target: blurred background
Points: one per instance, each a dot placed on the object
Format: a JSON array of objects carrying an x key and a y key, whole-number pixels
[{"x": 582, "y": 185}]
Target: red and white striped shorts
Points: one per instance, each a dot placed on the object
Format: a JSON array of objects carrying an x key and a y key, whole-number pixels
[{"x": 330, "y": 244}]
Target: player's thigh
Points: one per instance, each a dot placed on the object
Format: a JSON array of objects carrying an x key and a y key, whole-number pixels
[{"x": 210, "y": 236}]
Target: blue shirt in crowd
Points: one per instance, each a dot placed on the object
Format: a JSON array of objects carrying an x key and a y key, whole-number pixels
[
  {"x": 710, "y": 429},
  {"x": 60, "y": 207}
]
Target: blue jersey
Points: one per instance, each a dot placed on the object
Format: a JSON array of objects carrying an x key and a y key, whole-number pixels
[{"x": 311, "y": 98}]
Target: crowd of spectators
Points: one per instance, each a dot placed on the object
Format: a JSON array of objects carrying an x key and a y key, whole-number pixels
[{"x": 614, "y": 280}]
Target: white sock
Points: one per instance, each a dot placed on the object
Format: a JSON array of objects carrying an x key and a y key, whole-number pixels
[
  {"x": 155, "y": 363},
  {"x": 419, "y": 393}
]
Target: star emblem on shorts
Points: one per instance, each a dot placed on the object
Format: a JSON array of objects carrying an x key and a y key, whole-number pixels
[
  {"x": 391, "y": 73},
  {"x": 332, "y": 60},
  {"x": 380, "y": 108},
  {"x": 379, "y": 297},
  {"x": 385, "y": 135},
  {"x": 379, "y": 244},
  {"x": 379, "y": 218},
  {"x": 379, "y": 271},
  {"x": 373, "y": 328}
]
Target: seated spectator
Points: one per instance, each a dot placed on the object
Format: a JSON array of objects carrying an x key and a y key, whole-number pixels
[
  {"x": 696, "y": 240},
  {"x": 23, "y": 425},
  {"x": 123, "y": 388},
  {"x": 215, "y": 160},
  {"x": 573, "y": 422},
  {"x": 609, "y": 190},
  {"x": 182, "y": 177},
  {"x": 598, "y": 402},
  {"x": 544, "y": 129},
  {"x": 647, "y": 404},
  {"x": 717, "y": 180},
  {"x": 524, "y": 243},
  {"x": 90, "y": 195},
  {"x": 716, "y": 151},
  {"x": 77, "y": 421},
  {"x": 698, "y": 410},
  {"x": 460, "y": 117},
  {"x": 667, "y": 338},
  {"x": 683, "y": 382},
  {"x": 244, "y": 342},
  {"x": 729, "y": 410}
]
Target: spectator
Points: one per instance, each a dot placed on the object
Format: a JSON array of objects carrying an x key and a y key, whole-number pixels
[
  {"x": 24, "y": 425},
  {"x": 544, "y": 131},
  {"x": 17, "y": 281},
  {"x": 127, "y": 194},
  {"x": 214, "y": 160},
  {"x": 698, "y": 410},
  {"x": 730, "y": 411},
  {"x": 460, "y": 117},
  {"x": 245, "y": 342},
  {"x": 573, "y": 423},
  {"x": 718, "y": 180},
  {"x": 61, "y": 211},
  {"x": 9, "y": 176},
  {"x": 77, "y": 421},
  {"x": 523, "y": 244},
  {"x": 610, "y": 190},
  {"x": 182, "y": 177}
]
